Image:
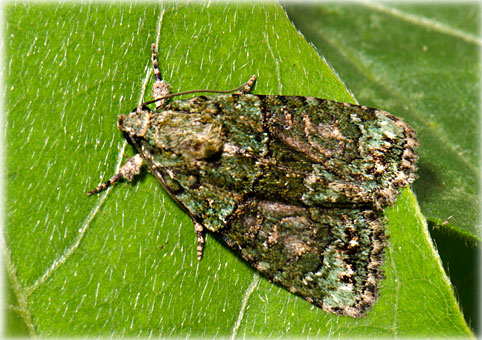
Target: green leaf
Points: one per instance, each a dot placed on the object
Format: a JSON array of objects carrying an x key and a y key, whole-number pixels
[
  {"x": 123, "y": 263},
  {"x": 420, "y": 62}
]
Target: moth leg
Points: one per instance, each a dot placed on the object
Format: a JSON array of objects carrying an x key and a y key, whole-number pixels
[
  {"x": 130, "y": 168},
  {"x": 247, "y": 86},
  {"x": 200, "y": 239},
  {"x": 160, "y": 87}
]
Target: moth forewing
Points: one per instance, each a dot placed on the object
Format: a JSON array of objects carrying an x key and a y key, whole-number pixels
[{"x": 295, "y": 185}]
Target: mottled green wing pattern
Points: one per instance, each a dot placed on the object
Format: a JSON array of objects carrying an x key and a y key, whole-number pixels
[
  {"x": 313, "y": 220},
  {"x": 354, "y": 154},
  {"x": 295, "y": 185},
  {"x": 330, "y": 257}
]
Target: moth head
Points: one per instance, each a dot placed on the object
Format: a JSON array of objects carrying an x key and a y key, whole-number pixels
[
  {"x": 135, "y": 123},
  {"x": 194, "y": 136}
]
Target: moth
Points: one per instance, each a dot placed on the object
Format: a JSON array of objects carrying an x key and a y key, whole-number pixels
[{"x": 295, "y": 185}]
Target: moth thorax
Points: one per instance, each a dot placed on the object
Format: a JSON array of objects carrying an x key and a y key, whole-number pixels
[{"x": 196, "y": 136}]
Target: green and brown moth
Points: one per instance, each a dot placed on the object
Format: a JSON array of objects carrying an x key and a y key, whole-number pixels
[{"x": 295, "y": 185}]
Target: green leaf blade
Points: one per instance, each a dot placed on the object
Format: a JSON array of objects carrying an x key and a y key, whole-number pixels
[{"x": 123, "y": 263}]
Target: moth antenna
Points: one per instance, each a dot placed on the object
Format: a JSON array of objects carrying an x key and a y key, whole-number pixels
[{"x": 246, "y": 87}]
